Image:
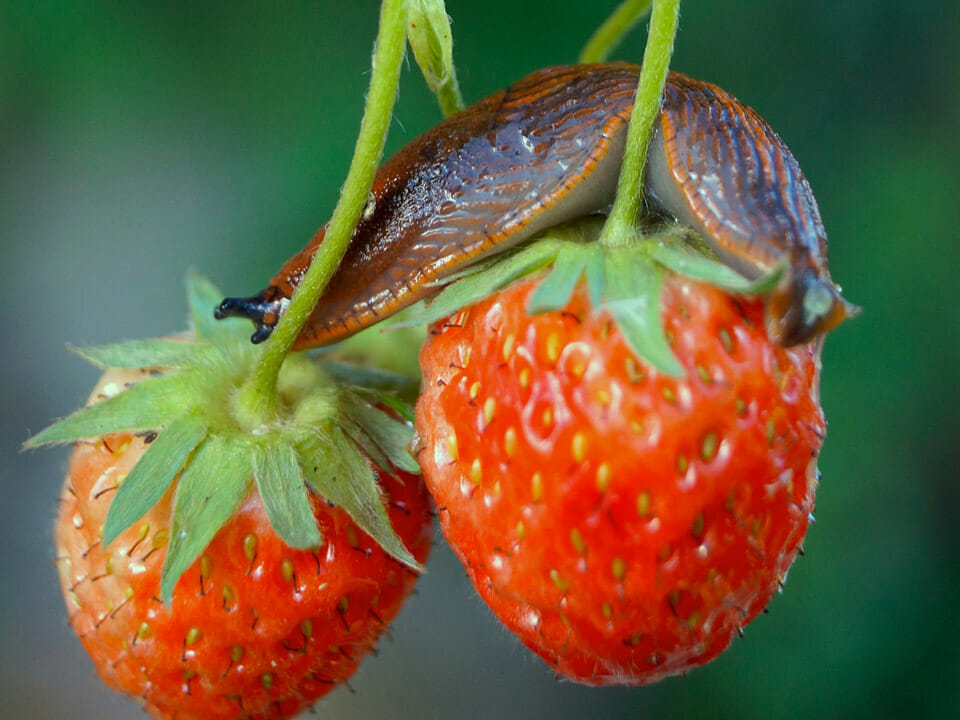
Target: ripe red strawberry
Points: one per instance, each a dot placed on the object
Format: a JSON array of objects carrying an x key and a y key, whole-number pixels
[
  {"x": 255, "y": 629},
  {"x": 624, "y": 523}
]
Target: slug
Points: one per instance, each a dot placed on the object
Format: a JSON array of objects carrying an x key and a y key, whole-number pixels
[{"x": 546, "y": 150}]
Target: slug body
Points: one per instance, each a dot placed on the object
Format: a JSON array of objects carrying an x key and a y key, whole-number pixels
[{"x": 546, "y": 150}]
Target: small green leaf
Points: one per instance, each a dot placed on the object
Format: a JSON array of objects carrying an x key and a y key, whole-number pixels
[
  {"x": 284, "y": 494},
  {"x": 142, "y": 354},
  {"x": 475, "y": 287},
  {"x": 633, "y": 299},
  {"x": 366, "y": 444},
  {"x": 678, "y": 256},
  {"x": 210, "y": 490},
  {"x": 391, "y": 436},
  {"x": 335, "y": 469},
  {"x": 428, "y": 30},
  {"x": 153, "y": 473},
  {"x": 150, "y": 404},
  {"x": 554, "y": 291}
]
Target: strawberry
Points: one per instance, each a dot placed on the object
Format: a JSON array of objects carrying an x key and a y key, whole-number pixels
[
  {"x": 216, "y": 571},
  {"x": 625, "y": 522}
]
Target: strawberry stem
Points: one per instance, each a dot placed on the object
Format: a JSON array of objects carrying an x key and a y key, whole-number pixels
[
  {"x": 621, "y": 226},
  {"x": 606, "y": 37},
  {"x": 257, "y": 401}
]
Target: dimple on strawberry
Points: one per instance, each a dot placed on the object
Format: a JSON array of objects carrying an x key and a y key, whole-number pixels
[
  {"x": 624, "y": 521},
  {"x": 214, "y": 572}
]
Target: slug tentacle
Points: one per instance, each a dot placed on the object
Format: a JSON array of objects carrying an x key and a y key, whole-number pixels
[{"x": 546, "y": 150}]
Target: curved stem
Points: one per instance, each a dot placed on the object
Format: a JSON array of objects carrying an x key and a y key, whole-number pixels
[
  {"x": 448, "y": 95},
  {"x": 611, "y": 33},
  {"x": 258, "y": 398},
  {"x": 620, "y": 228}
]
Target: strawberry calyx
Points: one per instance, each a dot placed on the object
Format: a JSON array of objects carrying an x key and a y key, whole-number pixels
[
  {"x": 625, "y": 280},
  {"x": 331, "y": 418}
]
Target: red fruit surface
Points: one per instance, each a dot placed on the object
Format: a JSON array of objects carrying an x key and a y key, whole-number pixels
[
  {"x": 255, "y": 629},
  {"x": 624, "y": 524}
]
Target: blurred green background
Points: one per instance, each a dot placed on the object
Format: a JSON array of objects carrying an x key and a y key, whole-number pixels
[{"x": 139, "y": 139}]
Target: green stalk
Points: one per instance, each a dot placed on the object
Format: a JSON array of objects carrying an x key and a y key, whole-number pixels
[
  {"x": 606, "y": 37},
  {"x": 257, "y": 400},
  {"x": 621, "y": 226}
]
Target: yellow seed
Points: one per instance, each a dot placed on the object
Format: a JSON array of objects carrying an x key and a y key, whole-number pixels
[
  {"x": 726, "y": 340},
  {"x": 306, "y": 627},
  {"x": 267, "y": 680},
  {"x": 353, "y": 539},
  {"x": 703, "y": 374},
  {"x": 121, "y": 448},
  {"x": 536, "y": 486},
  {"x": 524, "y": 378},
  {"x": 193, "y": 635},
  {"x": 619, "y": 567},
  {"x": 108, "y": 568},
  {"x": 634, "y": 639},
  {"x": 558, "y": 581},
  {"x": 521, "y": 530},
  {"x": 708, "y": 448},
  {"x": 553, "y": 347},
  {"x": 634, "y": 373},
  {"x": 607, "y": 611},
  {"x": 189, "y": 675},
  {"x": 508, "y": 345},
  {"x": 643, "y": 504},
  {"x": 452, "y": 445},
  {"x": 236, "y": 653},
  {"x": 476, "y": 472},
  {"x": 475, "y": 390},
  {"x": 144, "y": 531},
  {"x": 579, "y": 447},
  {"x": 682, "y": 464},
  {"x": 603, "y": 397},
  {"x": 578, "y": 369},
  {"x": 128, "y": 593},
  {"x": 144, "y": 631},
  {"x": 497, "y": 490},
  {"x": 160, "y": 538},
  {"x": 674, "y": 598},
  {"x": 547, "y": 417},
  {"x": 120, "y": 478},
  {"x": 206, "y": 566},
  {"x": 771, "y": 433},
  {"x": 696, "y": 529},
  {"x": 465, "y": 356},
  {"x": 603, "y": 477},
  {"x": 510, "y": 441},
  {"x": 228, "y": 595},
  {"x": 250, "y": 546},
  {"x": 637, "y": 427},
  {"x": 741, "y": 407},
  {"x": 286, "y": 569},
  {"x": 489, "y": 410},
  {"x": 343, "y": 605},
  {"x": 564, "y": 620},
  {"x": 576, "y": 539},
  {"x": 668, "y": 394}
]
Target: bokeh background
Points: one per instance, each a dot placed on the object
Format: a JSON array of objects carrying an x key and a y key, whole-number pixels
[{"x": 139, "y": 139}]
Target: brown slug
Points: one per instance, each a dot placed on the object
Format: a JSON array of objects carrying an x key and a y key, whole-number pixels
[{"x": 546, "y": 150}]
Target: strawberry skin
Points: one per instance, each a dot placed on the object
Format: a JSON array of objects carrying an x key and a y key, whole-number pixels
[
  {"x": 624, "y": 524},
  {"x": 255, "y": 629}
]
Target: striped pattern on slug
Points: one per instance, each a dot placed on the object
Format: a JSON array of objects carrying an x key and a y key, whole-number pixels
[{"x": 549, "y": 149}]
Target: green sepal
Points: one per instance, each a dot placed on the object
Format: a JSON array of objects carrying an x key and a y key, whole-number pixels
[
  {"x": 202, "y": 298},
  {"x": 391, "y": 436},
  {"x": 366, "y": 377},
  {"x": 556, "y": 288},
  {"x": 677, "y": 255},
  {"x": 150, "y": 404},
  {"x": 209, "y": 491},
  {"x": 283, "y": 490},
  {"x": 142, "y": 354},
  {"x": 335, "y": 469},
  {"x": 153, "y": 473},
  {"x": 430, "y": 37},
  {"x": 632, "y": 297},
  {"x": 485, "y": 279}
]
